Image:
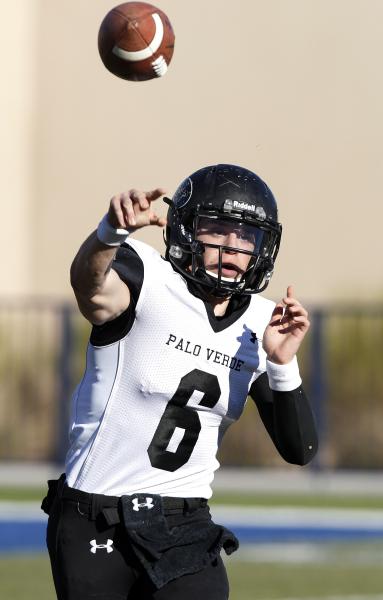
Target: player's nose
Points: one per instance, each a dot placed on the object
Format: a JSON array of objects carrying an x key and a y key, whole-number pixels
[{"x": 231, "y": 240}]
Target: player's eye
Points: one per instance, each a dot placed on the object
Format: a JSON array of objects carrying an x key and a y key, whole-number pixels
[
  {"x": 246, "y": 236},
  {"x": 216, "y": 231}
]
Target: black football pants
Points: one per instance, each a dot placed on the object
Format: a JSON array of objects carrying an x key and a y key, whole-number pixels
[{"x": 93, "y": 561}]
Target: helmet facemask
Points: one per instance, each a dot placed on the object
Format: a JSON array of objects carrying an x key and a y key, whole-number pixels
[{"x": 224, "y": 276}]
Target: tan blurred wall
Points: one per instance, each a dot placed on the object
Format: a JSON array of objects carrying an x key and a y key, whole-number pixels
[
  {"x": 19, "y": 116},
  {"x": 292, "y": 89}
]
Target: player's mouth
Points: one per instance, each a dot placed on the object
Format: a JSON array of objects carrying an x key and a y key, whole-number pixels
[{"x": 228, "y": 270}]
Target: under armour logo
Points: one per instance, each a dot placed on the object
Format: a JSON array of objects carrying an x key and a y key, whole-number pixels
[
  {"x": 95, "y": 546},
  {"x": 253, "y": 338},
  {"x": 137, "y": 505}
]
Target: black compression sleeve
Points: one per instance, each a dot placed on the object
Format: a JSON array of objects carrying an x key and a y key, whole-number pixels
[
  {"x": 289, "y": 420},
  {"x": 130, "y": 269}
]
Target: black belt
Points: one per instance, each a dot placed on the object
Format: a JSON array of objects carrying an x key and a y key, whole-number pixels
[{"x": 109, "y": 506}]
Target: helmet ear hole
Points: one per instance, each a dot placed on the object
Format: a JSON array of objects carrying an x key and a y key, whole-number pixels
[{"x": 175, "y": 252}]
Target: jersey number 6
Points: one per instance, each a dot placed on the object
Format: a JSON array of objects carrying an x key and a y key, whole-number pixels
[{"x": 178, "y": 414}]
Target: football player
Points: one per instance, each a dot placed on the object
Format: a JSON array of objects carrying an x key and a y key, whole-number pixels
[{"x": 178, "y": 344}]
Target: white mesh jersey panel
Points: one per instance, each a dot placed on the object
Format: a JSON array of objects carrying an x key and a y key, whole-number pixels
[
  {"x": 173, "y": 386},
  {"x": 88, "y": 404}
]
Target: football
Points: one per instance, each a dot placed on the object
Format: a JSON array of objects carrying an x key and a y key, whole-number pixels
[{"x": 136, "y": 41}]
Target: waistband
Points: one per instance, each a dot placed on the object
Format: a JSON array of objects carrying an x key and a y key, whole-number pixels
[{"x": 109, "y": 506}]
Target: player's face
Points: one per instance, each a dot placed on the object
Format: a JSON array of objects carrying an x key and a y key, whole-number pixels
[{"x": 234, "y": 236}]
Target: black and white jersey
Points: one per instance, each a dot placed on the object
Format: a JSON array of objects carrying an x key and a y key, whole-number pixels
[{"x": 161, "y": 388}]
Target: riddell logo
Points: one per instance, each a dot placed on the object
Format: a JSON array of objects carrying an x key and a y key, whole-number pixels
[
  {"x": 243, "y": 206},
  {"x": 230, "y": 205}
]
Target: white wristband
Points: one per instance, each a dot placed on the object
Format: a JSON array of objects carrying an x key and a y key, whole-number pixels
[
  {"x": 283, "y": 378},
  {"x": 110, "y": 236}
]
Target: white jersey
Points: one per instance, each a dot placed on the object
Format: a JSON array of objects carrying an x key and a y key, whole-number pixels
[{"x": 152, "y": 407}]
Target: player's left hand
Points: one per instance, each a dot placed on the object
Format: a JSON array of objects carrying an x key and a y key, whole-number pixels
[{"x": 288, "y": 326}]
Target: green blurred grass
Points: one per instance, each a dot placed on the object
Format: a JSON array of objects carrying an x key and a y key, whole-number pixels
[
  {"x": 260, "y": 499},
  {"x": 26, "y": 578},
  {"x": 317, "y": 501},
  {"x": 29, "y": 578},
  {"x": 249, "y": 581},
  {"x": 26, "y": 494}
]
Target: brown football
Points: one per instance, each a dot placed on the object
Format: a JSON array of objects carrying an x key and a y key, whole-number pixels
[{"x": 136, "y": 41}]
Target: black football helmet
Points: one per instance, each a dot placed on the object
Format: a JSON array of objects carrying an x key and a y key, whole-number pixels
[{"x": 223, "y": 197}]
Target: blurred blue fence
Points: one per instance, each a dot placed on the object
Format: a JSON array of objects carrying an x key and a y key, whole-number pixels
[
  {"x": 23, "y": 525},
  {"x": 42, "y": 357}
]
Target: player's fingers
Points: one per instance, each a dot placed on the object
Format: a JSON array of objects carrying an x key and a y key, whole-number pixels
[
  {"x": 127, "y": 207},
  {"x": 115, "y": 213},
  {"x": 139, "y": 197},
  {"x": 302, "y": 320},
  {"x": 155, "y": 194},
  {"x": 290, "y": 291},
  {"x": 299, "y": 324},
  {"x": 277, "y": 314},
  {"x": 289, "y": 301},
  {"x": 296, "y": 310},
  {"x": 157, "y": 220}
]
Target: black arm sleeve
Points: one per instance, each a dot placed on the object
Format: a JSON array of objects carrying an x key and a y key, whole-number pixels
[
  {"x": 288, "y": 419},
  {"x": 130, "y": 269}
]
